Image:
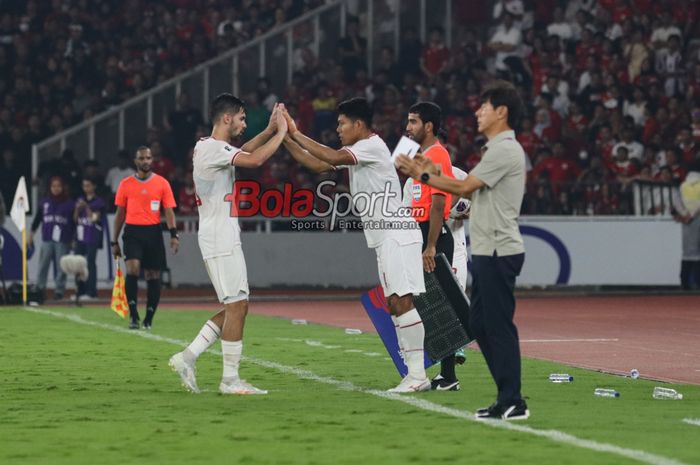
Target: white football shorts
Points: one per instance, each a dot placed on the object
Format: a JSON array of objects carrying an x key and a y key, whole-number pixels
[
  {"x": 459, "y": 266},
  {"x": 229, "y": 276},
  {"x": 400, "y": 268}
]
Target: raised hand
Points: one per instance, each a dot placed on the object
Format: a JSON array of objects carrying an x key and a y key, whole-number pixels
[
  {"x": 272, "y": 124},
  {"x": 290, "y": 122},
  {"x": 281, "y": 121}
]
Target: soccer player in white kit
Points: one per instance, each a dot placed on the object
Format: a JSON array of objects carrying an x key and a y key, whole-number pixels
[
  {"x": 214, "y": 163},
  {"x": 398, "y": 247}
]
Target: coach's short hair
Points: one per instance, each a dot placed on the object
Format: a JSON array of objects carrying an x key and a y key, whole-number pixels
[
  {"x": 429, "y": 112},
  {"x": 225, "y": 103},
  {"x": 504, "y": 94},
  {"x": 357, "y": 108}
]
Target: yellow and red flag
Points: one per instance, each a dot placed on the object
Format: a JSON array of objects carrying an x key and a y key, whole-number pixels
[{"x": 119, "y": 303}]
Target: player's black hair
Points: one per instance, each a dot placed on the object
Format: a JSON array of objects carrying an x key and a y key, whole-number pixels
[
  {"x": 225, "y": 103},
  {"x": 357, "y": 108},
  {"x": 503, "y": 93},
  {"x": 428, "y": 112}
]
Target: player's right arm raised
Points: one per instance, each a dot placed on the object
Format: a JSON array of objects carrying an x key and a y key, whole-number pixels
[
  {"x": 305, "y": 158},
  {"x": 260, "y": 155},
  {"x": 319, "y": 151}
]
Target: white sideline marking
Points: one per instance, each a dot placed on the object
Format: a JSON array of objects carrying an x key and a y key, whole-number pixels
[
  {"x": 692, "y": 421},
  {"x": 569, "y": 340},
  {"x": 554, "y": 435}
]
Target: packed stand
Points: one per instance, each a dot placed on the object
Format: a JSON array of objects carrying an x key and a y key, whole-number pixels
[
  {"x": 62, "y": 62},
  {"x": 612, "y": 87}
]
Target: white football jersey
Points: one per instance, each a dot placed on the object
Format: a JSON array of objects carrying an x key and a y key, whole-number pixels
[
  {"x": 214, "y": 178},
  {"x": 373, "y": 174}
]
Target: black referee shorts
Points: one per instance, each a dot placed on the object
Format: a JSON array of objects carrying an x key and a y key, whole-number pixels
[
  {"x": 445, "y": 242},
  {"x": 145, "y": 243}
]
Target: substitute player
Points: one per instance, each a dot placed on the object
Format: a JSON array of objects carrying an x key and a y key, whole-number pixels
[
  {"x": 396, "y": 239},
  {"x": 215, "y": 161},
  {"x": 139, "y": 200},
  {"x": 431, "y": 207}
]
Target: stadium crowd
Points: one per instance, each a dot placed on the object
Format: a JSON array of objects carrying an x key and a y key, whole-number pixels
[{"x": 613, "y": 87}]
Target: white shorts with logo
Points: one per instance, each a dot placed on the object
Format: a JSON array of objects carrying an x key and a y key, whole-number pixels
[
  {"x": 229, "y": 276},
  {"x": 459, "y": 266},
  {"x": 400, "y": 268}
]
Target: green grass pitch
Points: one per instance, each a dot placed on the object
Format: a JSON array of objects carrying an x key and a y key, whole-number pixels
[{"x": 77, "y": 388}]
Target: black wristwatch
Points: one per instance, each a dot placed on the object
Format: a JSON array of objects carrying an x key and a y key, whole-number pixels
[
  {"x": 114, "y": 243},
  {"x": 424, "y": 177},
  {"x": 173, "y": 234}
]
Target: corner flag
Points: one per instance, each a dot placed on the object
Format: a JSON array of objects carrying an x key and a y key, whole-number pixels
[
  {"x": 18, "y": 213},
  {"x": 20, "y": 205}
]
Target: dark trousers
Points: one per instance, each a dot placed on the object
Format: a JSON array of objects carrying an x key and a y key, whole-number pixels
[
  {"x": 445, "y": 241},
  {"x": 89, "y": 251},
  {"x": 491, "y": 319}
]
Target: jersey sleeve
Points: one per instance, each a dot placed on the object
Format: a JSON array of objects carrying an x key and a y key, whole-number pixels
[
  {"x": 224, "y": 156},
  {"x": 363, "y": 153},
  {"x": 120, "y": 199},
  {"x": 168, "y": 198}
]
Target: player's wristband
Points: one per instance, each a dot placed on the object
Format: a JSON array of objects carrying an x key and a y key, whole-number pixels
[
  {"x": 114, "y": 243},
  {"x": 173, "y": 233},
  {"x": 424, "y": 177}
]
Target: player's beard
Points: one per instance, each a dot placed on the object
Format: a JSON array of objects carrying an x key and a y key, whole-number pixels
[{"x": 145, "y": 168}]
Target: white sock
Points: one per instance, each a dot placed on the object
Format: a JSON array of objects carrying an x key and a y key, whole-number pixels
[
  {"x": 412, "y": 333},
  {"x": 398, "y": 333},
  {"x": 207, "y": 336},
  {"x": 232, "y": 358}
]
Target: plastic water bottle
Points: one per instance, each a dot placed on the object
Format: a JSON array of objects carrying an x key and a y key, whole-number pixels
[
  {"x": 352, "y": 331},
  {"x": 666, "y": 394},
  {"x": 299, "y": 322},
  {"x": 602, "y": 392},
  {"x": 634, "y": 373},
  {"x": 561, "y": 378}
]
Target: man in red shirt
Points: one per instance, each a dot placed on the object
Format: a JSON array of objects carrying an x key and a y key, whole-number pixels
[
  {"x": 139, "y": 201},
  {"x": 436, "y": 55},
  {"x": 431, "y": 207}
]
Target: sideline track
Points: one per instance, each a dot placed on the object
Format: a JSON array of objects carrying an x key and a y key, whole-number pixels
[{"x": 553, "y": 435}]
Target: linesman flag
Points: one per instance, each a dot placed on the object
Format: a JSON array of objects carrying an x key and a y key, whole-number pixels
[{"x": 119, "y": 303}]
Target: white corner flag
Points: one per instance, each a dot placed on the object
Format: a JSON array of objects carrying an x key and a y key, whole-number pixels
[
  {"x": 20, "y": 205},
  {"x": 18, "y": 213}
]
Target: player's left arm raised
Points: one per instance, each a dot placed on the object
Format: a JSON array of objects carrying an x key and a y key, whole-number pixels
[
  {"x": 260, "y": 155},
  {"x": 260, "y": 140}
]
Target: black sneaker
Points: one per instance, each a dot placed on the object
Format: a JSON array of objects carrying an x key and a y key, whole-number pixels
[
  {"x": 134, "y": 324},
  {"x": 147, "y": 325},
  {"x": 487, "y": 412},
  {"x": 517, "y": 411},
  {"x": 441, "y": 384},
  {"x": 496, "y": 411}
]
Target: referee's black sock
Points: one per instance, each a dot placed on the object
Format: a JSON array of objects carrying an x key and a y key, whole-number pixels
[
  {"x": 447, "y": 368},
  {"x": 131, "y": 286},
  {"x": 152, "y": 298}
]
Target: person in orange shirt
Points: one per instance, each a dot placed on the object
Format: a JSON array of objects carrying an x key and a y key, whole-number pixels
[
  {"x": 431, "y": 208},
  {"x": 139, "y": 200}
]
